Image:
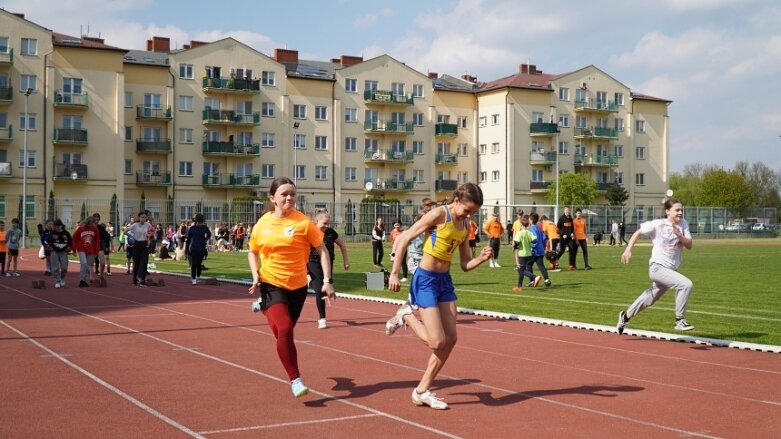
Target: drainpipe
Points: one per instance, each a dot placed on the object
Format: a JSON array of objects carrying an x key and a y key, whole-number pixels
[{"x": 173, "y": 134}]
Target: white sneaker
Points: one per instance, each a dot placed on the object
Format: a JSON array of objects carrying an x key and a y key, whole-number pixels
[
  {"x": 62, "y": 283},
  {"x": 321, "y": 324},
  {"x": 403, "y": 279},
  {"x": 429, "y": 399},
  {"x": 397, "y": 321},
  {"x": 299, "y": 388},
  {"x": 683, "y": 325},
  {"x": 16, "y": 273},
  {"x": 496, "y": 265},
  {"x": 194, "y": 282},
  {"x": 8, "y": 274},
  {"x": 56, "y": 285}
]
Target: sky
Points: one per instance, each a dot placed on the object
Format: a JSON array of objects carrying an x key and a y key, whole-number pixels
[{"x": 719, "y": 61}]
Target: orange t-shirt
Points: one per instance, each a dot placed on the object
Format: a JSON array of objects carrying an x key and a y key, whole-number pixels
[
  {"x": 472, "y": 230},
  {"x": 551, "y": 229},
  {"x": 494, "y": 229},
  {"x": 283, "y": 246},
  {"x": 579, "y": 226},
  {"x": 395, "y": 234},
  {"x": 3, "y": 247}
]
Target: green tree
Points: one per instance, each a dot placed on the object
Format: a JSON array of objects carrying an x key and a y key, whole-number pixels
[
  {"x": 51, "y": 211},
  {"x": 765, "y": 181},
  {"x": 616, "y": 195},
  {"x": 574, "y": 189},
  {"x": 728, "y": 189}
]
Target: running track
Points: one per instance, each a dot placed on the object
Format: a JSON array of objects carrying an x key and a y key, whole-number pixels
[{"x": 180, "y": 361}]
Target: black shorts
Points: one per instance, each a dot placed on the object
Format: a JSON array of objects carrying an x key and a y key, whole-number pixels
[
  {"x": 294, "y": 299},
  {"x": 13, "y": 251},
  {"x": 472, "y": 243}
]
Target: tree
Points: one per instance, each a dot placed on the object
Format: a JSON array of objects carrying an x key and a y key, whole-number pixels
[
  {"x": 616, "y": 195},
  {"x": 114, "y": 213},
  {"x": 728, "y": 189},
  {"x": 574, "y": 189},
  {"x": 51, "y": 211},
  {"x": 765, "y": 181}
]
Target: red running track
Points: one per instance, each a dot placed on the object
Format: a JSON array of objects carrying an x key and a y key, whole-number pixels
[{"x": 179, "y": 361}]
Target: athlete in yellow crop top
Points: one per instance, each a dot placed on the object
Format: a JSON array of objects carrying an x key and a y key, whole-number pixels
[{"x": 431, "y": 288}]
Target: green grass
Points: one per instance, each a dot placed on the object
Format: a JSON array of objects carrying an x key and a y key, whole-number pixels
[{"x": 736, "y": 296}]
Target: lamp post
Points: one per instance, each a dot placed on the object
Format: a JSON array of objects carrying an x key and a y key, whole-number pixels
[
  {"x": 27, "y": 94},
  {"x": 556, "y": 145},
  {"x": 295, "y": 153}
]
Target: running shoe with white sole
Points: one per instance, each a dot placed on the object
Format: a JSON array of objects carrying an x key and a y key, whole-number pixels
[
  {"x": 298, "y": 387},
  {"x": 429, "y": 399},
  {"x": 683, "y": 325},
  {"x": 397, "y": 321},
  {"x": 321, "y": 324},
  {"x": 623, "y": 322}
]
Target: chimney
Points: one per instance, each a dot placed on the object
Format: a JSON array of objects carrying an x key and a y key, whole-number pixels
[
  {"x": 286, "y": 56},
  {"x": 529, "y": 69},
  {"x": 159, "y": 44},
  {"x": 18, "y": 14},
  {"x": 348, "y": 60},
  {"x": 336, "y": 61},
  {"x": 93, "y": 39},
  {"x": 194, "y": 44},
  {"x": 433, "y": 75},
  {"x": 185, "y": 46},
  {"x": 469, "y": 78}
]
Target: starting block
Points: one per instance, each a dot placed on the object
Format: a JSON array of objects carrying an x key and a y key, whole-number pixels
[
  {"x": 39, "y": 284},
  {"x": 158, "y": 283},
  {"x": 212, "y": 281}
]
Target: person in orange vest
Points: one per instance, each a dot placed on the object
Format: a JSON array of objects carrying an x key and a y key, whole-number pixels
[
  {"x": 552, "y": 232},
  {"x": 494, "y": 229},
  {"x": 581, "y": 238},
  {"x": 472, "y": 237}
]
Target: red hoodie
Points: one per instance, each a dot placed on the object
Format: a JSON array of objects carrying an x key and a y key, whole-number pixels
[{"x": 86, "y": 240}]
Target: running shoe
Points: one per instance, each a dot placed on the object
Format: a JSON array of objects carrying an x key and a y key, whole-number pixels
[
  {"x": 429, "y": 399},
  {"x": 537, "y": 281},
  {"x": 321, "y": 324},
  {"x": 397, "y": 321},
  {"x": 256, "y": 305},
  {"x": 548, "y": 283},
  {"x": 683, "y": 325},
  {"x": 298, "y": 387},
  {"x": 56, "y": 285},
  {"x": 623, "y": 322}
]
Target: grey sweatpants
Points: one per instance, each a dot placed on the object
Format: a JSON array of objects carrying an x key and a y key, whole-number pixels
[
  {"x": 58, "y": 265},
  {"x": 86, "y": 261},
  {"x": 662, "y": 280}
]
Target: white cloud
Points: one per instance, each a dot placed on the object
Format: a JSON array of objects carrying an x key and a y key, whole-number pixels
[{"x": 368, "y": 20}]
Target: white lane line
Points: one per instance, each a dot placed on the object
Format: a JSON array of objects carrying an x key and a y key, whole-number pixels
[
  {"x": 105, "y": 384},
  {"x": 287, "y": 424},
  {"x": 230, "y": 363}
]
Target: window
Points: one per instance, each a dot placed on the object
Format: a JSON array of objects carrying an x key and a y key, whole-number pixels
[
  {"x": 350, "y": 174},
  {"x": 494, "y": 175},
  {"x": 267, "y": 109},
  {"x": 186, "y": 212},
  {"x": 495, "y": 148},
  {"x": 128, "y": 99},
  {"x": 299, "y": 111},
  {"x": 563, "y": 94},
  {"x": 463, "y": 177},
  {"x": 563, "y": 147},
  {"x": 581, "y": 122},
  {"x": 483, "y": 121},
  {"x": 462, "y": 121},
  {"x": 268, "y": 78},
  {"x": 186, "y": 71},
  {"x": 619, "y": 97},
  {"x": 417, "y": 119},
  {"x": 128, "y": 133},
  {"x": 370, "y": 145},
  {"x": 267, "y": 170},
  {"x": 152, "y": 100},
  {"x": 244, "y": 108},
  {"x": 482, "y": 149},
  {"x": 350, "y": 144},
  {"x": 397, "y": 117},
  {"x": 321, "y": 143},
  {"x": 4, "y": 48},
  {"x": 351, "y": 85},
  {"x": 538, "y": 117},
  {"x": 28, "y": 121},
  {"x": 601, "y": 99},
  {"x": 371, "y": 85},
  {"x": 417, "y": 146},
  {"x": 152, "y": 133},
  {"x": 244, "y": 138},
  {"x": 185, "y": 135},
  {"x": 538, "y": 175},
  {"x": 538, "y": 146},
  {"x": 640, "y": 153},
  {"x": 371, "y": 174},
  {"x": 619, "y": 177},
  {"x": 267, "y": 140},
  {"x": 417, "y": 175},
  {"x": 185, "y": 169},
  {"x": 619, "y": 124},
  {"x": 351, "y": 115},
  {"x": 640, "y": 179},
  {"x": 300, "y": 172},
  {"x": 580, "y": 97},
  {"x": 483, "y": 176},
  {"x": 29, "y": 46},
  {"x": 618, "y": 150},
  {"x": 463, "y": 149},
  {"x": 371, "y": 116},
  {"x": 640, "y": 126},
  {"x": 580, "y": 149},
  {"x": 321, "y": 113},
  {"x": 494, "y": 119},
  {"x": 299, "y": 141},
  {"x": 185, "y": 103},
  {"x": 443, "y": 148},
  {"x": 128, "y": 166},
  {"x": 564, "y": 120},
  {"x": 28, "y": 81},
  {"x": 443, "y": 118},
  {"x": 31, "y": 158},
  {"x": 321, "y": 172},
  {"x": 212, "y": 103},
  {"x": 398, "y": 147},
  {"x": 3, "y": 123},
  {"x": 417, "y": 90},
  {"x": 397, "y": 88}
]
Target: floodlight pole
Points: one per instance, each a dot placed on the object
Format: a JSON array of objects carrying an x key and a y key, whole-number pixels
[
  {"x": 27, "y": 94},
  {"x": 295, "y": 152}
]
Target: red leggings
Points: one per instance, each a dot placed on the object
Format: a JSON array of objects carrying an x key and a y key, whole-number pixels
[{"x": 280, "y": 322}]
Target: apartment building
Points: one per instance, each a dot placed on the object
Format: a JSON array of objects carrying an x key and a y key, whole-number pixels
[{"x": 210, "y": 122}]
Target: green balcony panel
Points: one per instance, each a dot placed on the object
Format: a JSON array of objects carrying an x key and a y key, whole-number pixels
[
  {"x": 382, "y": 155},
  {"x": 539, "y": 185},
  {"x": 146, "y": 112},
  {"x": 6, "y": 95},
  {"x": 594, "y": 105},
  {"x": 69, "y": 171},
  {"x": 6, "y": 134},
  {"x": 445, "y": 185},
  {"x": 446, "y": 159},
  {"x": 154, "y": 146},
  {"x": 240, "y": 85},
  {"x": 446, "y": 129},
  {"x": 69, "y": 99},
  {"x": 230, "y": 148},
  {"x": 387, "y": 97},
  {"x": 543, "y": 129},
  {"x": 542, "y": 157},
  {"x": 7, "y": 57},
  {"x": 70, "y": 136},
  {"x": 391, "y": 185},
  {"x": 230, "y": 117},
  {"x": 231, "y": 180},
  {"x": 162, "y": 178}
]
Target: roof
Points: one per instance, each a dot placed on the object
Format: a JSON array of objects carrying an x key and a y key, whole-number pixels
[
  {"x": 309, "y": 69},
  {"x": 540, "y": 81},
  {"x": 147, "y": 58},
  {"x": 59, "y": 39},
  {"x": 649, "y": 98},
  {"x": 451, "y": 83}
]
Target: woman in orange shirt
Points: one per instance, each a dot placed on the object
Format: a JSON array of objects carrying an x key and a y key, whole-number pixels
[
  {"x": 494, "y": 229},
  {"x": 279, "y": 246},
  {"x": 580, "y": 239}
]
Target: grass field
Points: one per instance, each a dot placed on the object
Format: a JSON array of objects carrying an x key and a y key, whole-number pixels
[{"x": 736, "y": 296}]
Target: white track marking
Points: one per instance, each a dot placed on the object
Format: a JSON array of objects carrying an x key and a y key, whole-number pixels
[{"x": 287, "y": 424}]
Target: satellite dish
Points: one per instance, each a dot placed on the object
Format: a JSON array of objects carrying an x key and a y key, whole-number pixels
[
  {"x": 369, "y": 186},
  {"x": 669, "y": 192}
]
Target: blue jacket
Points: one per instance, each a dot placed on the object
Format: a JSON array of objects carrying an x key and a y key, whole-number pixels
[
  {"x": 197, "y": 238},
  {"x": 538, "y": 248}
]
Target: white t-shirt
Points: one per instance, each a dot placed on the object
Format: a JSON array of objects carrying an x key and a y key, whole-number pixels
[
  {"x": 667, "y": 248},
  {"x": 139, "y": 231}
]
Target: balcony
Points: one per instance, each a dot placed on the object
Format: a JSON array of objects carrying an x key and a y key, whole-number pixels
[
  {"x": 162, "y": 178},
  {"x": 6, "y": 95},
  {"x": 71, "y": 100},
  {"x": 390, "y": 185},
  {"x": 7, "y": 134},
  {"x": 603, "y": 186},
  {"x": 7, "y": 58},
  {"x": 230, "y": 117},
  {"x": 383, "y": 156},
  {"x": 445, "y": 185},
  {"x": 146, "y": 112},
  {"x": 388, "y": 127},
  {"x": 70, "y": 136},
  {"x": 5, "y": 170},
  {"x": 446, "y": 159},
  {"x": 596, "y": 161},
  {"x": 70, "y": 172},
  {"x": 153, "y": 146},
  {"x": 231, "y": 85},
  {"x": 596, "y": 106},
  {"x": 445, "y": 129},
  {"x": 539, "y": 187},
  {"x": 230, "y": 149},
  {"x": 596, "y": 133},
  {"x": 386, "y": 97},
  {"x": 540, "y": 129},
  {"x": 231, "y": 180},
  {"x": 542, "y": 158}
]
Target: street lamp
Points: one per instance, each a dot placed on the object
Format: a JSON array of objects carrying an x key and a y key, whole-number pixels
[
  {"x": 295, "y": 154},
  {"x": 27, "y": 94},
  {"x": 556, "y": 146}
]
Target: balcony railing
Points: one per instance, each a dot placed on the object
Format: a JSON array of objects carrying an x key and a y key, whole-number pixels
[
  {"x": 543, "y": 129},
  {"x": 231, "y": 85},
  {"x": 70, "y": 100},
  {"x": 153, "y": 146},
  {"x": 7, "y": 57},
  {"x": 596, "y": 133},
  {"x": 539, "y": 186},
  {"x": 445, "y": 185},
  {"x": 381, "y": 155},
  {"x": 162, "y": 178},
  {"x": 593, "y": 105},
  {"x": 595, "y": 160},
  {"x": 445, "y": 129},
  {"x": 7, "y": 134},
  {"x": 390, "y": 185},
  {"x": 146, "y": 112},
  {"x": 6, "y": 95},
  {"x": 68, "y": 171},
  {"x": 386, "y": 97},
  {"x": 231, "y": 180},
  {"x": 230, "y": 117},
  {"x": 5, "y": 170},
  {"x": 388, "y": 127},
  {"x": 604, "y": 186},
  {"x": 446, "y": 159},
  {"x": 230, "y": 149},
  {"x": 542, "y": 158},
  {"x": 70, "y": 136}
]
